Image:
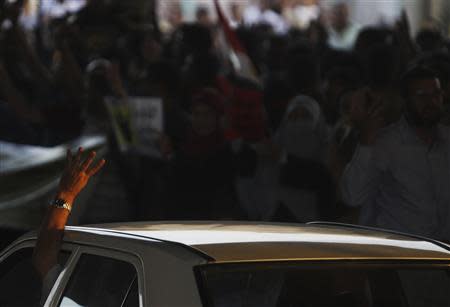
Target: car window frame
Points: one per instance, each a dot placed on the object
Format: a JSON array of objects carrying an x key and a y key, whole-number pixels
[
  {"x": 57, "y": 291},
  {"x": 14, "y": 247},
  {"x": 30, "y": 243}
]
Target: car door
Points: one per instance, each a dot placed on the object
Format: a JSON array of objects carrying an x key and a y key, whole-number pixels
[{"x": 100, "y": 277}]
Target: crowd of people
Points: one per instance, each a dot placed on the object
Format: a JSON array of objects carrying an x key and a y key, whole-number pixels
[{"x": 325, "y": 127}]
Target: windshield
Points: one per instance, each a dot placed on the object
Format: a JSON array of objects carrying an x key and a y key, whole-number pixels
[{"x": 326, "y": 284}]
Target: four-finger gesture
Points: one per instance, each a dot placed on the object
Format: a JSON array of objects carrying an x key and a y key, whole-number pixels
[{"x": 77, "y": 173}]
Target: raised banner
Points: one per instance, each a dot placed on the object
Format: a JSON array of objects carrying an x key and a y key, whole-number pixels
[{"x": 137, "y": 123}]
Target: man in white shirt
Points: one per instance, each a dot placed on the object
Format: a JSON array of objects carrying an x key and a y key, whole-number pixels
[
  {"x": 269, "y": 13},
  {"x": 400, "y": 177},
  {"x": 342, "y": 33}
]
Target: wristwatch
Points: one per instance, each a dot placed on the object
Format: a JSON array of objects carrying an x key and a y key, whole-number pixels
[{"x": 61, "y": 204}]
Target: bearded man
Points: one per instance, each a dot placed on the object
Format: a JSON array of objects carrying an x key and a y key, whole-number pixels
[{"x": 400, "y": 175}]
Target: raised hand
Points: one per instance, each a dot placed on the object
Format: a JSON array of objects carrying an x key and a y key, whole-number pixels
[
  {"x": 402, "y": 32},
  {"x": 115, "y": 80},
  {"x": 77, "y": 173},
  {"x": 367, "y": 112},
  {"x": 402, "y": 26},
  {"x": 375, "y": 121},
  {"x": 74, "y": 178}
]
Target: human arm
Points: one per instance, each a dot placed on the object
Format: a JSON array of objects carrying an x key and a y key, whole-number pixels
[
  {"x": 115, "y": 80},
  {"x": 41, "y": 74},
  {"x": 69, "y": 73},
  {"x": 362, "y": 175},
  {"x": 76, "y": 175},
  {"x": 15, "y": 100},
  {"x": 404, "y": 42},
  {"x": 360, "y": 179}
]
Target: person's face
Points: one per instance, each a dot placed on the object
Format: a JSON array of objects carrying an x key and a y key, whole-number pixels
[
  {"x": 204, "y": 19},
  {"x": 236, "y": 12},
  {"x": 333, "y": 89},
  {"x": 204, "y": 119},
  {"x": 314, "y": 35},
  {"x": 175, "y": 15},
  {"x": 425, "y": 104},
  {"x": 14, "y": 9},
  {"x": 97, "y": 82},
  {"x": 150, "y": 50},
  {"x": 247, "y": 116},
  {"x": 339, "y": 17},
  {"x": 265, "y": 5},
  {"x": 299, "y": 114},
  {"x": 355, "y": 104}
]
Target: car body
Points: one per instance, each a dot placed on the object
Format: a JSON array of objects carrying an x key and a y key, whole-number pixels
[{"x": 207, "y": 264}]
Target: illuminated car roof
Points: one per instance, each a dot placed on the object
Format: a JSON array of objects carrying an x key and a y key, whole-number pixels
[{"x": 246, "y": 241}]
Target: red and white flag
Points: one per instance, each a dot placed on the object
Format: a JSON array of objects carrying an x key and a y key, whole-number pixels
[{"x": 239, "y": 58}]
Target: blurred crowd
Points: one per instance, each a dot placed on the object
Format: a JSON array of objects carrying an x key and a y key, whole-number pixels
[{"x": 267, "y": 139}]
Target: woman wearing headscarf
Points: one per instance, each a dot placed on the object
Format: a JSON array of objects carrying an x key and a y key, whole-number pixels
[
  {"x": 305, "y": 189},
  {"x": 202, "y": 173},
  {"x": 302, "y": 131}
]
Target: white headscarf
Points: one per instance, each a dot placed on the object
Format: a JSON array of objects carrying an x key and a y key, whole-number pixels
[{"x": 303, "y": 138}]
